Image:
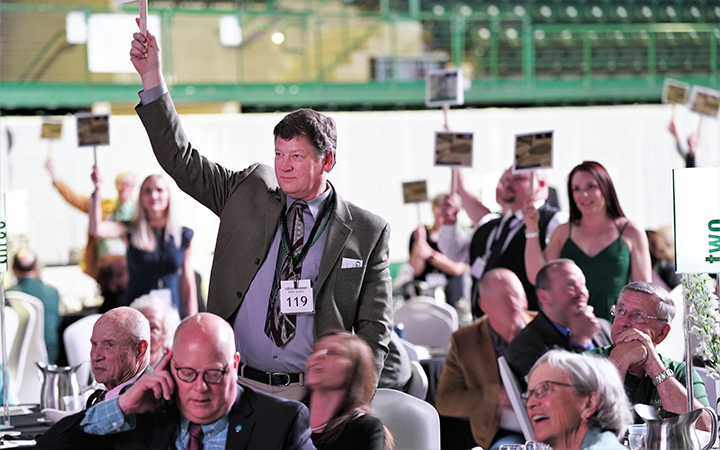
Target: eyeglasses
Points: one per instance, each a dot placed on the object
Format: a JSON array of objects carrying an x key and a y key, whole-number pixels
[
  {"x": 210, "y": 376},
  {"x": 541, "y": 390},
  {"x": 638, "y": 317}
]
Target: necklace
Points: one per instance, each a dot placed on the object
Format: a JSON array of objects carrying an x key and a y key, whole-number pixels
[{"x": 316, "y": 429}]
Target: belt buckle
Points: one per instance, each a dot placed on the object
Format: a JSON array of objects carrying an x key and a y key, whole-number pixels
[{"x": 287, "y": 375}]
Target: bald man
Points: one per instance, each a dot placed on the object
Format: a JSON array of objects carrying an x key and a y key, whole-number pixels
[
  {"x": 120, "y": 351},
  {"x": 192, "y": 398},
  {"x": 470, "y": 385}
]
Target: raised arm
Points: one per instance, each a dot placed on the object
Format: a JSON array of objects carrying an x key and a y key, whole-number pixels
[
  {"x": 98, "y": 227},
  {"x": 535, "y": 258},
  {"x": 475, "y": 209},
  {"x": 145, "y": 57}
]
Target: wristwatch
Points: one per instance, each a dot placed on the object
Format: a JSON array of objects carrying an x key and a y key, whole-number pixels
[{"x": 664, "y": 375}]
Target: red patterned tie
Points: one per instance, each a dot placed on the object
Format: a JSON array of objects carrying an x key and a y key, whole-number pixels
[
  {"x": 278, "y": 326},
  {"x": 195, "y": 441}
]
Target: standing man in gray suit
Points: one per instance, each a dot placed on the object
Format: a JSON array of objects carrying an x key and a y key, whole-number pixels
[{"x": 292, "y": 258}]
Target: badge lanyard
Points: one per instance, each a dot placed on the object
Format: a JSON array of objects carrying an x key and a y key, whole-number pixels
[{"x": 285, "y": 237}]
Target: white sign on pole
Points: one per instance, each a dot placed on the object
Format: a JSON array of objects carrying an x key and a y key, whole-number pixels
[
  {"x": 109, "y": 37},
  {"x": 696, "y": 200}
]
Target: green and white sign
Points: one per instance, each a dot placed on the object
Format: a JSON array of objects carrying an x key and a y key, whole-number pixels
[{"x": 696, "y": 201}]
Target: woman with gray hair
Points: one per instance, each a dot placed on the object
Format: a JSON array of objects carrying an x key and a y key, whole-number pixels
[
  {"x": 163, "y": 318},
  {"x": 577, "y": 402}
]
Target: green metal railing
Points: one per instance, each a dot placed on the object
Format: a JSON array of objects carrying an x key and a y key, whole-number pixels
[{"x": 510, "y": 58}]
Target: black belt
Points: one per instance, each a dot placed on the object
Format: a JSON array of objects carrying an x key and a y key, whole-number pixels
[{"x": 271, "y": 378}]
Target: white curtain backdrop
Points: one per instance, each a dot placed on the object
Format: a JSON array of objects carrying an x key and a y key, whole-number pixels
[{"x": 377, "y": 151}]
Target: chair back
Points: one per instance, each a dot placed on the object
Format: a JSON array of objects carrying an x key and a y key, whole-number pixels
[
  {"x": 513, "y": 390},
  {"x": 414, "y": 423},
  {"x": 426, "y": 324},
  {"x": 441, "y": 307},
  {"x": 23, "y": 373},
  {"x": 418, "y": 385},
  {"x": 77, "y": 347},
  {"x": 415, "y": 352}
]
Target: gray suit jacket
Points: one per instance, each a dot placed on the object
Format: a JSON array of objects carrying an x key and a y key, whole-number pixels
[{"x": 249, "y": 204}]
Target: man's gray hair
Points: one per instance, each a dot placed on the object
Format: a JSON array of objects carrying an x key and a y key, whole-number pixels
[
  {"x": 588, "y": 374},
  {"x": 664, "y": 303},
  {"x": 318, "y": 128},
  {"x": 163, "y": 306}
]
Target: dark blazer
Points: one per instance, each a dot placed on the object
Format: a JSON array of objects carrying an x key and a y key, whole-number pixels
[
  {"x": 257, "y": 421},
  {"x": 249, "y": 204},
  {"x": 541, "y": 335},
  {"x": 513, "y": 258}
]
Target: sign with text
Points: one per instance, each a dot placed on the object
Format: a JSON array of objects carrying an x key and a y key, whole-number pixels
[
  {"x": 51, "y": 129},
  {"x": 93, "y": 129},
  {"x": 675, "y": 91},
  {"x": 453, "y": 149},
  {"x": 704, "y": 101},
  {"x": 444, "y": 87},
  {"x": 415, "y": 192},
  {"x": 696, "y": 202},
  {"x": 533, "y": 151}
]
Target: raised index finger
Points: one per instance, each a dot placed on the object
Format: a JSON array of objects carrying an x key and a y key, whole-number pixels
[{"x": 164, "y": 363}]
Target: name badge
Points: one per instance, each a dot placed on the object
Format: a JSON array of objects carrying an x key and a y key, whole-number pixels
[
  {"x": 296, "y": 297},
  {"x": 478, "y": 267},
  {"x": 162, "y": 294}
]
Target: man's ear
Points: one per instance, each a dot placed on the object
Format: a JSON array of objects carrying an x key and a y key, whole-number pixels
[
  {"x": 142, "y": 348},
  {"x": 664, "y": 331},
  {"x": 236, "y": 361},
  {"x": 328, "y": 161},
  {"x": 543, "y": 298}
]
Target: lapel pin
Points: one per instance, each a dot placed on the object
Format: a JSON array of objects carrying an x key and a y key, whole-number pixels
[{"x": 238, "y": 428}]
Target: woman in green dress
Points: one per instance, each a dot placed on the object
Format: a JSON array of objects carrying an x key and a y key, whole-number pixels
[{"x": 610, "y": 249}]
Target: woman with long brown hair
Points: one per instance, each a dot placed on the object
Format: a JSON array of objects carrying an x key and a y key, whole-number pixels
[
  {"x": 610, "y": 249},
  {"x": 340, "y": 376}
]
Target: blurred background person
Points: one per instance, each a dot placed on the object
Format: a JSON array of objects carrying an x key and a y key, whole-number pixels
[
  {"x": 610, "y": 249},
  {"x": 119, "y": 210},
  {"x": 662, "y": 257},
  {"x": 340, "y": 376},
  {"x": 693, "y": 141},
  {"x": 163, "y": 318},
  {"x": 158, "y": 255},
  {"x": 25, "y": 269},
  {"x": 577, "y": 402},
  {"x": 429, "y": 264}
]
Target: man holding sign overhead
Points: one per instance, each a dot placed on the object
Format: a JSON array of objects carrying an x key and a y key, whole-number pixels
[
  {"x": 501, "y": 241},
  {"x": 292, "y": 258}
]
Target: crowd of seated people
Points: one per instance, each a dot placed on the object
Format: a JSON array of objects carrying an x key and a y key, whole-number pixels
[{"x": 256, "y": 373}]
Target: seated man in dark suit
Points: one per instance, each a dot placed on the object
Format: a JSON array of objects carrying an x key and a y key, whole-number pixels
[
  {"x": 192, "y": 401},
  {"x": 565, "y": 319},
  {"x": 120, "y": 351}
]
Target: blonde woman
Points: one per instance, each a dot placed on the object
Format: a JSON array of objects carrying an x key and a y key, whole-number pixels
[{"x": 158, "y": 255}]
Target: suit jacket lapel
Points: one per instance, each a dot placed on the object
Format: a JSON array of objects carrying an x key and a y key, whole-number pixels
[
  {"x": 241, "y": 423},
  {"x": 165, "y": 425},
  {"x": 338, "y": 234},
  {"x": 272, "y": 216}
]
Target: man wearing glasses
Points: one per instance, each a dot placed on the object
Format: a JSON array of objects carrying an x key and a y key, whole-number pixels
[
  {"x": 191, "y": 401},
  {"x": 643, "y": 314}
]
